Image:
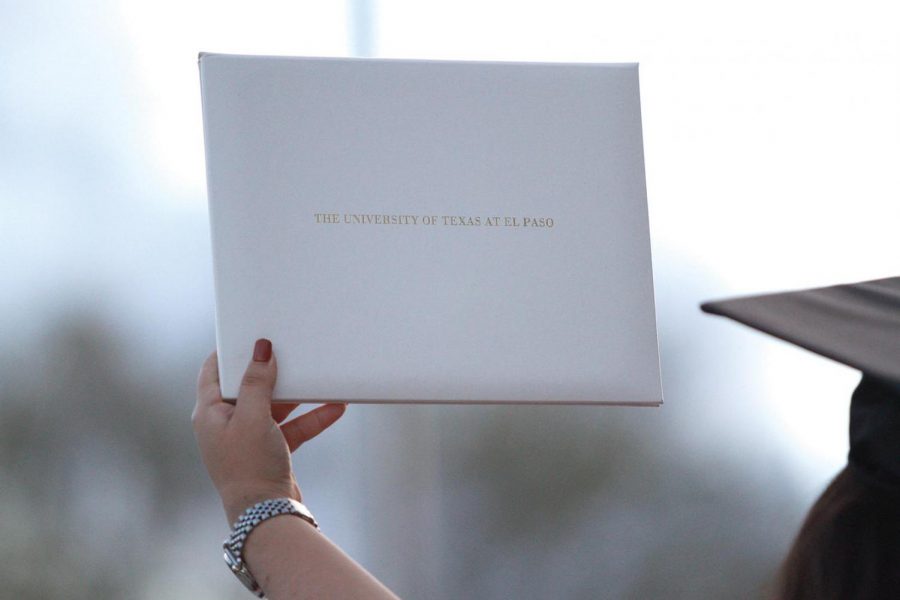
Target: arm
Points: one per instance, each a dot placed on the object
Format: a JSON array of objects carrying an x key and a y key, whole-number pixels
[
  {"x": 246, "y": 449},
  {"x": 290, "y": 559}
]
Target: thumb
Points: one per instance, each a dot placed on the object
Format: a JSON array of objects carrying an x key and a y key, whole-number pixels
[{"x": 254, "y": 399}]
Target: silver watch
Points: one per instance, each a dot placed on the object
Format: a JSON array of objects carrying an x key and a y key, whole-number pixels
[{"x": 253, "y": 516}]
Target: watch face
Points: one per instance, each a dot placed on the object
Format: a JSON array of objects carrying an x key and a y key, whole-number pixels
[
  {"x": 246, "y": 579},
  {"x": 240, "y": 572}
]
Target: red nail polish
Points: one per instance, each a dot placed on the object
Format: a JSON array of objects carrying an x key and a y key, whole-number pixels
[{"x": 262, "y": 351}]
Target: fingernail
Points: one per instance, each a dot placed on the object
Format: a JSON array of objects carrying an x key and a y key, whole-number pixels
[{"x": 262, "y": 351}]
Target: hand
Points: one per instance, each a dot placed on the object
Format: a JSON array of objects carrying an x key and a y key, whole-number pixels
[{"x": 245, "y": 450}]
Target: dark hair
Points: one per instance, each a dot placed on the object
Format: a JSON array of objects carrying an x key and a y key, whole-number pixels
[{"x": 848, "y": 547}]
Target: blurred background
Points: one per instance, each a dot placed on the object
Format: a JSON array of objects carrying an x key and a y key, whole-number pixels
[{"x": 772, "y": 139}]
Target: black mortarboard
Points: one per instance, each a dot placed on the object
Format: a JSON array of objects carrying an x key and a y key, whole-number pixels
[{"x": 857, "y": 324}]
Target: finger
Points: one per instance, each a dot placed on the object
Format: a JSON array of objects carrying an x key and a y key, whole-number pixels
[
  {"x": 309, "y": 425},
  {"x": 281, "y": 411},
  {"x": 254, "y": 401},
  {"x": 208, "y": 391}
]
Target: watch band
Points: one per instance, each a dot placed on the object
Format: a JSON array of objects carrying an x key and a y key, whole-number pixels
[{"x": 253, "y": 516}]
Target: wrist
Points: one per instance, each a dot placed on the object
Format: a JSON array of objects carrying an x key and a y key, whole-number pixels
[
  {"x": 236, "y": 501},
  {"x": 258, "y": 516}
]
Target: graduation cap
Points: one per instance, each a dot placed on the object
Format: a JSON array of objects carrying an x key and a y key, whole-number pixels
[{"x": 856, "y": 324}]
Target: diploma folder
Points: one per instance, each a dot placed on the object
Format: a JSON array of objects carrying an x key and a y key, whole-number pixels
[{"x": 417, "y": 231}]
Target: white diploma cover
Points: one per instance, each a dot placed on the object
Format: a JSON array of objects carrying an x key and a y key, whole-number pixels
[{"x": 431, "y": 231}]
